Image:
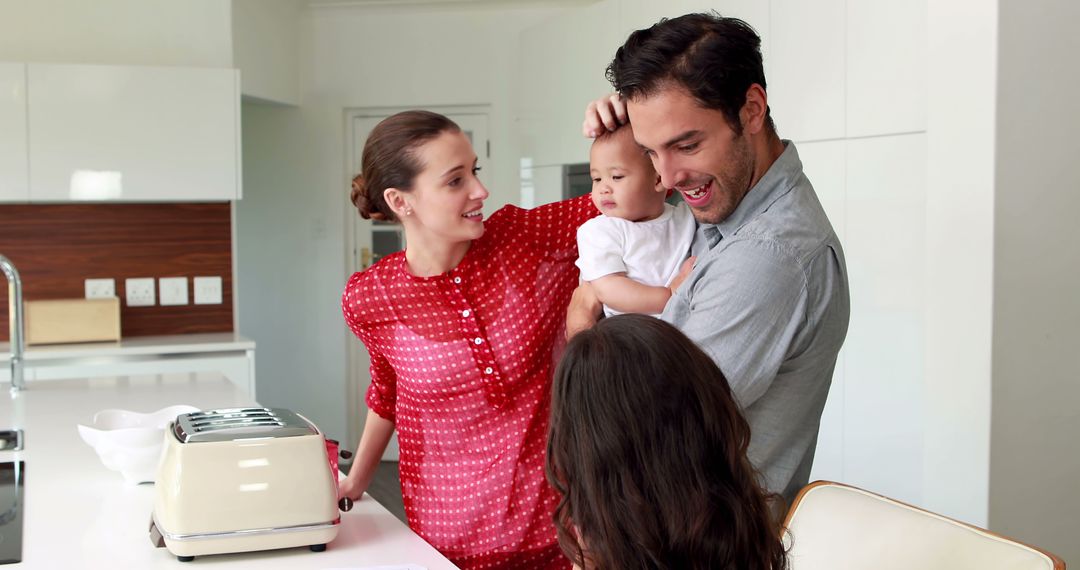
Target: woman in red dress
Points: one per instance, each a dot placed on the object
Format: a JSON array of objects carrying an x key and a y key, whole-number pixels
[{"x": 462, "y": 328}]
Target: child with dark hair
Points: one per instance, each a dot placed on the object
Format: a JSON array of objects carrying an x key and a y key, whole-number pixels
[
  {"x": 633, "y": 254},
  {"x": 647, "y": 449}
]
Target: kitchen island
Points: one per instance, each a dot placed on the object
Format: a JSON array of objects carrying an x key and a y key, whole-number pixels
[{"x": 78, "y": 514}]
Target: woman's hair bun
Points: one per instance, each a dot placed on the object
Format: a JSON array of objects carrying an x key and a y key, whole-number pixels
[{"x": 358, "y": 196}]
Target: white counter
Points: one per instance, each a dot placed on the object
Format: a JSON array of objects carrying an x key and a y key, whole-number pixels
[
  {"x": 230, "y": 354},
  {"x": 78, "y": 514},
  {"x": 134, "y": 346}
]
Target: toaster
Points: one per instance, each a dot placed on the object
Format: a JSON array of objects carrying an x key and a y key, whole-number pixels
[{"x": 243, "y": 479}]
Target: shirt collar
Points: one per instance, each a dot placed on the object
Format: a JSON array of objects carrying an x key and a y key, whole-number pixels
[{"x": 777, "y": 181}]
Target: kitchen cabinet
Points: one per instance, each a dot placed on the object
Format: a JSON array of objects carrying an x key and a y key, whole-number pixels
[
  {"x": 13, "y": 165},
  {"x": 886, "y": 67},
  {"x": 136, "y": 134},
  {"x": 805, "y": 73},
  {"x": 886, "y": 245}
]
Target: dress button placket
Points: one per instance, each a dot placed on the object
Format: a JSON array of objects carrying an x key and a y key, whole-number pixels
[{"x": 482, "y": 354}]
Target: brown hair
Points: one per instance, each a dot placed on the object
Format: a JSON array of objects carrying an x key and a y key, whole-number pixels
[
  {"x": 389, "y": 159},
  {"x": 647, "y": 449}
]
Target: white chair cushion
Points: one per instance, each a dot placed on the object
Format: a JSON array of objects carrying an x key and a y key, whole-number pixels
[{"x": 836, "y": 527}]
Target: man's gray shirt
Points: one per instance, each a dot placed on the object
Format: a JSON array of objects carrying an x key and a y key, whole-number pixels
[{"x": 769, "y": 303}]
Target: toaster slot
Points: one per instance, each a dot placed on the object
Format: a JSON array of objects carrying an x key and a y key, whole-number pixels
[
  {"x": 226, "y": 422},
  {"x": 240, "y": 423},
  {"x": 231, "y": 412}
]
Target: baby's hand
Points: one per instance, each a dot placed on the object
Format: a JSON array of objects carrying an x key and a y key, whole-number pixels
[{"x": 684, "y": 272}]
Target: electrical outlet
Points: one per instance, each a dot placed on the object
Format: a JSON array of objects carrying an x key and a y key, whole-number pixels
[
  {"x": 207, "y": 290},
  {"x": 173, "y": 291},
  {"x": 100, "y": 288},
  {"x": 139, "y": 292}
]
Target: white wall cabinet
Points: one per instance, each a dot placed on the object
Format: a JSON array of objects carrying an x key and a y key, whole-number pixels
[
  {"x": 807, "y": 100},
  {"x": 13, "y": 165},
  {"x": 886, "y": 67},
  {"x": 138, "y": 134},
  {"x": 886, "y": 245}
]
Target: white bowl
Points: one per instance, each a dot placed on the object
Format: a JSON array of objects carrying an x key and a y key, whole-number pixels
[{"x": 131, "y": 442}]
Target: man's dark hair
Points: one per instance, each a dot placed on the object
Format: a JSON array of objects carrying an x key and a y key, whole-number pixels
[{"x": 715, "y": 58}]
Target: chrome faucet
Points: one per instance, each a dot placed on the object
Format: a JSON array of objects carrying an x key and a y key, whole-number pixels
[{"x": 15, "y": 315}]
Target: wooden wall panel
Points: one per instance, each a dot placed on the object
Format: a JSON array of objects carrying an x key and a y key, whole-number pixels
[{"x": 56, "y": 246}]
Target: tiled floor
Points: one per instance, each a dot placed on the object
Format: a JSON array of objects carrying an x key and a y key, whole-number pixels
[{"x": 386, "y": 489}]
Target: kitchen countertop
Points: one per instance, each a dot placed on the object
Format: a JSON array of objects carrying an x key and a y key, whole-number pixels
[
  {"x": 79, "y": 514},
  {"x": 136, "y": 346}
]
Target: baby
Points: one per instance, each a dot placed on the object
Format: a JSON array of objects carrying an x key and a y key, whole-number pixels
[{"x": 631, "y": 254}]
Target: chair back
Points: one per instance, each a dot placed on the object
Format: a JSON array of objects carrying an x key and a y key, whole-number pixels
[{"x": 838, "y": 527}]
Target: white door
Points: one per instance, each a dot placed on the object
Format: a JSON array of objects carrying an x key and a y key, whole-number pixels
[{"x": 371, "y": 240}]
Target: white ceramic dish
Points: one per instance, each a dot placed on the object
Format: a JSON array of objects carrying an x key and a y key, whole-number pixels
[{"x": 131, "y": 442}]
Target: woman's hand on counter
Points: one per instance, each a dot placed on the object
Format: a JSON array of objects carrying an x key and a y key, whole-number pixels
[{"x": 373, "y": 442}]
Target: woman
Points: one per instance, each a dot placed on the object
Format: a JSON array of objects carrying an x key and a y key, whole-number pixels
[
  {"x": 647, "y": 448},
  {"x": 461, "y": 329}
]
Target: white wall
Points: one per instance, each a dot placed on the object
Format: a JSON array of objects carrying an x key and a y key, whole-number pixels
[
  {"x": 1034, "y": 453},
  {"x": 138, "y": 32},
  {"x": 289, "y": 261},
  {"x": 961, "y": 64},
  {"x": 266, "y": 48}
]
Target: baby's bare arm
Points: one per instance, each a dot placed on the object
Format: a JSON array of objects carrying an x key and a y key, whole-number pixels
[{"x": 628, "y": 296}]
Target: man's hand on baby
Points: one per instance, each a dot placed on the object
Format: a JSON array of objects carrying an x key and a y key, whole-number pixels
[
  {"x": 684, "y": 272},
  {"x": 605, "y": 114}
]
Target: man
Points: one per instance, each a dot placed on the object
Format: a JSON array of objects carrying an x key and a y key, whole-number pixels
[{"x": 768, "y": 297}]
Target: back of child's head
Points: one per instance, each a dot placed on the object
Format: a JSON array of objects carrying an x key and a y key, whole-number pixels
[{"x": 648, "y": 449}]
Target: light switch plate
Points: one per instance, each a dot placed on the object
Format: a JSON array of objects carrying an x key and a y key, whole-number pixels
[
  {"x": 207, "y": 290},
  {"x": 139, "y": 292},
  {"x": 173, "y": 291},
  {"x": 100, "y": 288}
]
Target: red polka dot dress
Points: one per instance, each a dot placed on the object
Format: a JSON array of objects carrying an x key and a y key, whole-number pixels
[{"x": 462, "y": 363}]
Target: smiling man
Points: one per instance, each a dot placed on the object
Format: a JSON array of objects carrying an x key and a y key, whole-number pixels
[{"x": 768, "y": 298}]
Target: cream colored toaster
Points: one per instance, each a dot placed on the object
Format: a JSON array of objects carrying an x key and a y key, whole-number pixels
[{"x": 243, "y": 479}]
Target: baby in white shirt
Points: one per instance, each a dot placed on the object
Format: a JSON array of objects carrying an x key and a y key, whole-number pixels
[{"x": 631, "y": 254}]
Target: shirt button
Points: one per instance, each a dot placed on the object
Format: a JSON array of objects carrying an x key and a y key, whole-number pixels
[
  {"x": 466, "y": 313},
  {"x": 478, "y": 340},
  {"x": 457, "y": 280},
  {"x": 488, "y": 370}
]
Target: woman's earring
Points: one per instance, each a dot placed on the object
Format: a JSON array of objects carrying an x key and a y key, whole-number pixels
[{"x": 408, "y": 212}]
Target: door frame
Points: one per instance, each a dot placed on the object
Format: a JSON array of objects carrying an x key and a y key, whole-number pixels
[{"x": 355, "y": 354}]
